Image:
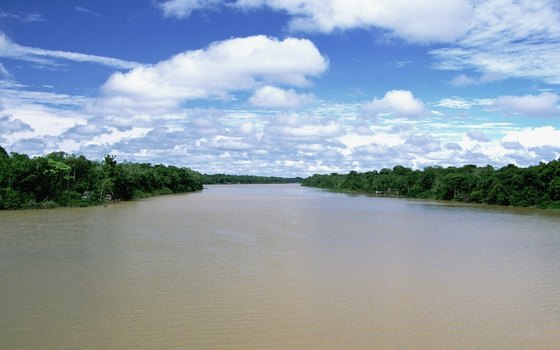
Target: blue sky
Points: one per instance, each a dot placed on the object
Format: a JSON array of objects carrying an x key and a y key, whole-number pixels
[{"x": 283, "y": 87}]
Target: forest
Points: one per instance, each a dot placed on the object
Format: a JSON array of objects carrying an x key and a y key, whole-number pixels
[
  {"x": 222, "y": 179},
  {"x": 60, "y": 179},
  {"x": 67, "y": 180},
  {"x": 537, "y": 186}
]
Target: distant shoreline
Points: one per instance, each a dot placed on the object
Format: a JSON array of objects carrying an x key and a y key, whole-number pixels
[{"x": 535, "y": 186}]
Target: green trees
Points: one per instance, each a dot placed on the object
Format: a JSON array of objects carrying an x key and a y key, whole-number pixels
[
  {"x": 220, "y": 179},
  {"x": 533, "y": 186},
  {"x": 59, "y": 179}
]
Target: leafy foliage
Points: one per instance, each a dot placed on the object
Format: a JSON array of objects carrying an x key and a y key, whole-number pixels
[
  {"x": 537, "y": 185},
  {"x": 59, "y": 179}
]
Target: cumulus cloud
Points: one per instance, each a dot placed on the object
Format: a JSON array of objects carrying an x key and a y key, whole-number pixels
[
  {"x": 9, "y": 49},
  {"x": 422, "y": 143},
  {"x": 397, "y": 102},
  {"x": 246, "y": 128},
  {"x": 31, "y": 146},
  {"x": 11, "y": 125},
  {"x": 84, "y": 131},
  {"x": 411, "y": 20},
  {"x": 229, "y": 143},
  {"x": 297, "y": 126},
  {"x": 512, "y": 145},
  {"x": 534, "y": 137},
  {"x": 224, "y": 67},
  {"x": 542, "y": 105},
  {"x": 270, "y": 96},
  {"x": 496, "y": 38},
  {"x": 44, "y": 112},
  {"x": 453, "y": 146},
  {"x": 43, "y": 120},
  {"x": 479, "y": 136},
  {"x": 417, "y": 20}
]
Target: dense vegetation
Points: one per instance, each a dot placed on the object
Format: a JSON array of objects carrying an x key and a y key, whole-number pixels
[
  {"x": 219, "y": 179},
  {"x": 59, "y": 179},
  {"x": 511, "y": 185}
]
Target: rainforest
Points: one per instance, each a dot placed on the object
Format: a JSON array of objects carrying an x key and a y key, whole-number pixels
[
  {"x": 60, "y": 179},
  {"x": 537, "y": 185}
]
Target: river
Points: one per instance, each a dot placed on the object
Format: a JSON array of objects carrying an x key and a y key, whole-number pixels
[{"x": 280, "y": 267}]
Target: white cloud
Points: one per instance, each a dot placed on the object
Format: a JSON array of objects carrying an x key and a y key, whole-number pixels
[
  {"x": 270, "y": 96},
  {"x": 453, "y": 146},
  {"x": 229, "y": 143},
  {"x": 246, "y": 129},
  {"x": 454, "y": 103},
  {"x": 496, "y": 38},
  {"x": 313, "y": 131},
  {"x": 463, "y": 103},
  {"x": 422, "y": 144},
  {"x": 304, "y": 127},
  {"x": 184, "y": 8},
  {"x": 512, "y": 145},
  {"x": 11, "y": 125},
  {"x": 397, "y": 102},
  {"x": 542, "y": 105},
  {"x": 85, "y": 131},
  {"x": 37, "y": 118},
  {"x": 26, "y": 17},
  {"x": 44, "y": 120},
  {"x": 411, "y": 20},
  {"x": 10, "y": 49},
  {"x": 4, "y": 73},
  {"x": 462, "y": 80},
  {"x": 535, "y": 137},
  {"x": 242, "y": 141},
  {"x": 506, "y": 40},
  {"x": 86, "y": 10},
  {"x": 222, "y": 68},
  {"x": 477, "y": 135}
]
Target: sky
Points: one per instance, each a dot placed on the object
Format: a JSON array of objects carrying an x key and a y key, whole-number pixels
[{"x": 283, "y": 87}]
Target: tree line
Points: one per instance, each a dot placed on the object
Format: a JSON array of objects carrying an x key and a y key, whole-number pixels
[
  {"x": 221, "y": 179},
  {"x": 60, "y": 179},
  {"x": 537, "y": 185}
]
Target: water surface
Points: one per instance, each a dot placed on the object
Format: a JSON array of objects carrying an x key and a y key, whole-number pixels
[{"x": 280, "y": 267}]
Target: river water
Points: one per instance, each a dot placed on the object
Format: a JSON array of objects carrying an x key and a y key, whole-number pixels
[{"x": 280, "y": 267}]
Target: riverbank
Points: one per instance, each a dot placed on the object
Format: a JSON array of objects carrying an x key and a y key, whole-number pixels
[{"x": 535, "y": 186}]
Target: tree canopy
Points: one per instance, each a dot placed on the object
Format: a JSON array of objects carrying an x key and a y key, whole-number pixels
[
  {"x": 60, "y": 179},
  {"x": 537, "y": 185},
  {"x": 219, "y": 179}
]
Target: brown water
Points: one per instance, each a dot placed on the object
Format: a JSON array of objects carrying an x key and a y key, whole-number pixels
[{"x": 280, "y": 267}]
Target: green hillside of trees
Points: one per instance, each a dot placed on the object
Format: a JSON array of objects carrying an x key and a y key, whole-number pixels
[
  {"x": 537, "y": 185},
  {"x": 60, "y": 179}
]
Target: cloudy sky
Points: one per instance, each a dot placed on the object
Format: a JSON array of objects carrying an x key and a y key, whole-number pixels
[{"x": 283, "y": 87}]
